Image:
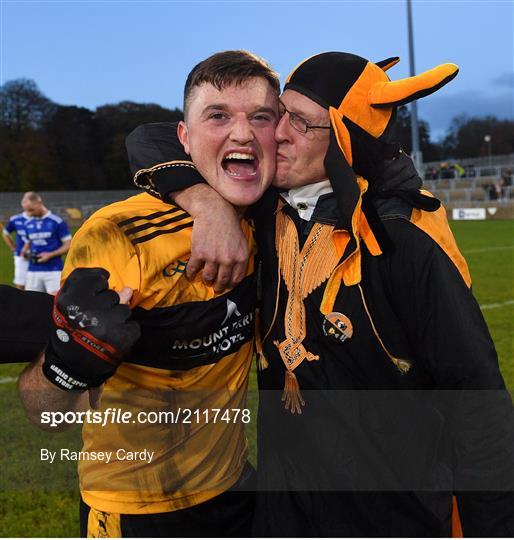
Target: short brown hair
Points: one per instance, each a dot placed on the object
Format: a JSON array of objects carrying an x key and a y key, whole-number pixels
[{"x": 229, "y": 67}]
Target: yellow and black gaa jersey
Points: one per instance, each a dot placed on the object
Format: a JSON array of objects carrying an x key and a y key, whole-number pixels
[{"x": 183, "y": 387}]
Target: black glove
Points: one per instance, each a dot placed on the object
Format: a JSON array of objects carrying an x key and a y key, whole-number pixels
[
  {"x": 397, "y": 173},
  {"x": 158, "y": 160},
  {"x": 91, "y": 332},
  {"x": 399, "y": 178}
]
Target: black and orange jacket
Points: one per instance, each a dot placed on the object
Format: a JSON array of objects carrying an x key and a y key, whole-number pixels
[
  {"x": 192, "y": 360},
  {"x": 384, "y": 413}
]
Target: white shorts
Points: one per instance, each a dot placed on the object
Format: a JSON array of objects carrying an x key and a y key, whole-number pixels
[
  {"x": 21, "y": 266},
  {"x": 48, "y": 282}
]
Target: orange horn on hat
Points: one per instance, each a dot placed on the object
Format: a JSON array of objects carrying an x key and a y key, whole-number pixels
[{"x": 388, "y": 94}]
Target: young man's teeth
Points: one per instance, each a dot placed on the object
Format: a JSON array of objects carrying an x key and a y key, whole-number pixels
[{"x": 237, "y": 155}]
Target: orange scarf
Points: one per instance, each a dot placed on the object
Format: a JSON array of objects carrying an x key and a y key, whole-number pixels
[{"x": 303, "y": 271}]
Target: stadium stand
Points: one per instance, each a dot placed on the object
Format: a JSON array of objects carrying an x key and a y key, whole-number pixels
[{"x": 474, "y": 183}]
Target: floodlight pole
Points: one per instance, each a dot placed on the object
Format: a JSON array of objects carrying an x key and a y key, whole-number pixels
[
  {"x": 488, "y": 139},
  {"x": 414, "y": 128}
]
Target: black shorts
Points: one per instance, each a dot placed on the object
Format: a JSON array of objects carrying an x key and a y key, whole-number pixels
[{"x": 230, "y": 514}]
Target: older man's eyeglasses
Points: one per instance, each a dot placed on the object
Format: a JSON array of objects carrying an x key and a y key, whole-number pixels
[{"x": 299, "y": 123}]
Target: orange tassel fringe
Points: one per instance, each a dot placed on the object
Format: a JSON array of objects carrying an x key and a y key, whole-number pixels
[{"x": 292, "y": 394}]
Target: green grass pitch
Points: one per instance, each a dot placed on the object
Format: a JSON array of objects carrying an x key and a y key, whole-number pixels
[{"x": 37, "y": 499}]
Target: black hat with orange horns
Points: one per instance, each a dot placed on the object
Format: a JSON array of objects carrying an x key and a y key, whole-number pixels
[
  {"x": 358, "y": 92},
  {"x": 362, "y": 103}
]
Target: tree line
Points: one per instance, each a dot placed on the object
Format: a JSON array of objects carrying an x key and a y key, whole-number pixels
[
  {"x": 47, "y": 146},
  {"x": 465, "y": 138}
]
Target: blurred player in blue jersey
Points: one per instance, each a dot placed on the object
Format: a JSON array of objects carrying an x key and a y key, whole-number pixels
[
  {"x": 16, "y": 224},
  {"x": 48, "y": 237}
]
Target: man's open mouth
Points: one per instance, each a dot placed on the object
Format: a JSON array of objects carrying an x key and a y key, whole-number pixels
[{"x": 240, "y": 165}]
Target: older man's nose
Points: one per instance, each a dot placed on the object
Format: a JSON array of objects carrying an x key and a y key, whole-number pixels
[{"x": 282, "y": 131}]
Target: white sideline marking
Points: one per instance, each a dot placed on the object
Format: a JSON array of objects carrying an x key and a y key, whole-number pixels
[
  {"x": 5, "y": 380},
  {"x": 497, "y": 305},
  {"x": 485, "y": 250}
]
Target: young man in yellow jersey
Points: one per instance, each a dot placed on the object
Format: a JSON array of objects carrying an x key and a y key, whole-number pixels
[{"x": 176, "y": 465}]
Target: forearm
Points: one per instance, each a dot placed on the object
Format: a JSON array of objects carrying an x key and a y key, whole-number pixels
[
  {"x": 218, "y": 243},
  {"x": 38, "y": 395},
  {"x": 202, "y": 199},
  {"x": 61, "y": 250},
  {"x": 8, "y": 241}
]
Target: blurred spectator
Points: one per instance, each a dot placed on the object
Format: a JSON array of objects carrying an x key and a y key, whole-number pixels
[
  {"x": 498, "y": 187},
  {"x": 461, "y": 172},
  {"x": 445, "y": 171},
  {"x": 16, "y": 225},
  {"x": 491, "y": 191},
  {"x": 48, "y": 237},
  {"x": 506, "y": 183},
  {"x": 507, "y": 177},
  {"x": 431, "y": 173}
]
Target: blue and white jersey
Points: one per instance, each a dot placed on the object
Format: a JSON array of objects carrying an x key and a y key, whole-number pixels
[
  {"x": 16, "y": 224},
  {"x": 46, "y": 233}
]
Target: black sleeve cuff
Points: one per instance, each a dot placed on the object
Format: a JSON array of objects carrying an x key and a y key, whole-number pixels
[
  {"x": 25, "y": 324},
  {"x": 158, "y": 160},
  {"x": 173, "y": 176}
]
